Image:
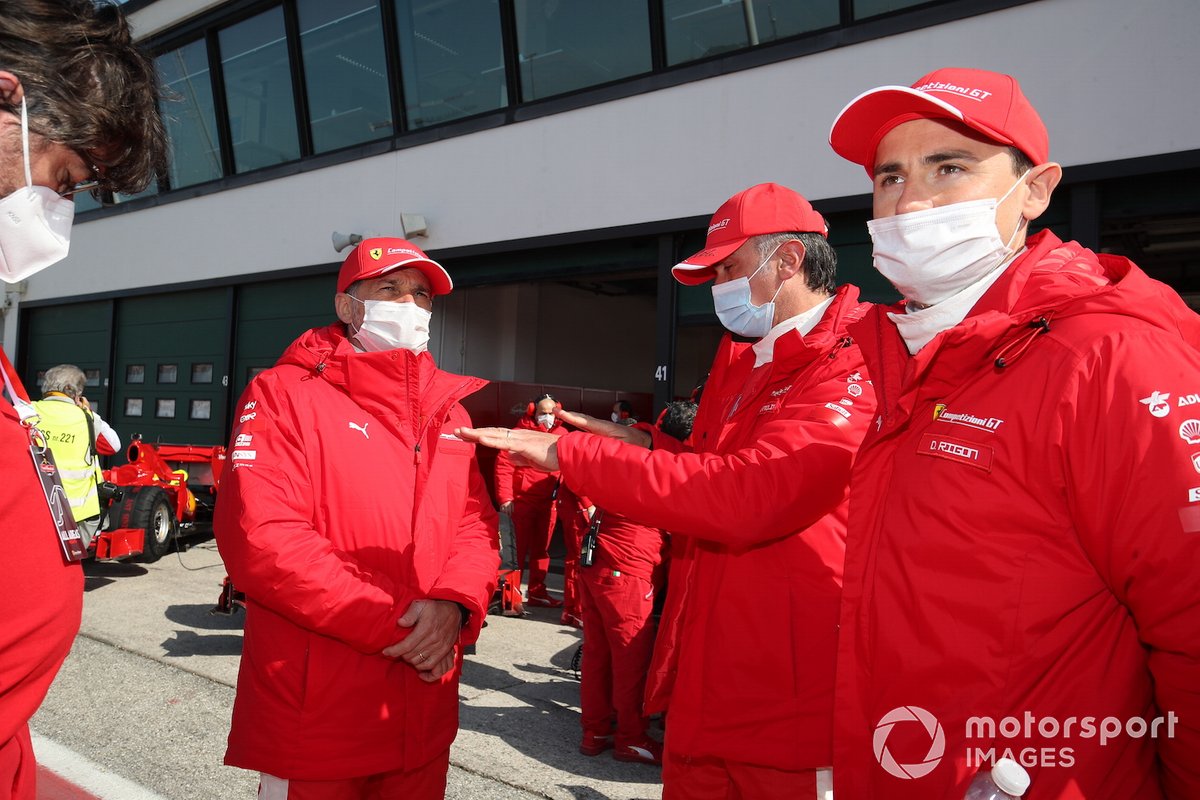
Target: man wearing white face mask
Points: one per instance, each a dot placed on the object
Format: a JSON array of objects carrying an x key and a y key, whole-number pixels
[
  {"x": 1024, "y": 535},
  {"x": 78, "y": 104},
  {"x": 743, "y": 663},
  {"x": 361, "y": 531}
]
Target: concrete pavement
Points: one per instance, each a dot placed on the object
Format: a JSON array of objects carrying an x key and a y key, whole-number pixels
[{"x": 147, "y": 691}]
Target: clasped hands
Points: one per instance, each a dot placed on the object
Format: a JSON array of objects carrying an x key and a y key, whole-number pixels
[{"x": 430, "y": 646}]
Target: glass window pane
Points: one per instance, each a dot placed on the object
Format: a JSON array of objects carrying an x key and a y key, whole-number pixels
[
  {"x": 190, "y": 119},
  {"x": 702, "y": 28},
  {"x": 870, "y": 8},
  {"x": 164, "y": 407},
  {"x": 345, "y": 71},
  {"x": 168, "y": 373},
  {"x": 133, "y": 406},
  {"x": 202, "y": 373},
  {"x": 258, "y": 92},
  {"x": 569, "y": 45},
  {"x": 200, "y": 409},
  {"x": 135, "y": 373},
  {"x": 451, "y": 59}
]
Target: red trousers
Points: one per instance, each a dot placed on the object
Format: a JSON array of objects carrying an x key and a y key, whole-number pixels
[
  {"x": 715, "y": 779},
  {"x": 424, "y": 783},
  {"x": 574, "y": 525},
  {"x": 533, "y": 525},
  {"x": 18, "y": 770},
  {"x": 618, "y": 638}
]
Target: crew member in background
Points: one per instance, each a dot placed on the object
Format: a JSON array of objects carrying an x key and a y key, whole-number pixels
[
  {"x": 756, "y": 507},
  {"x": 574, "y": 515},
  {"x": 361, "y": 531},
  {"x": 622, "y": 413},
  {"x": 528, "y": 496},
  {"x": 79, "y": 103},
  {"x": 620, "y": 587},
  {"x": 77, "y": 436}
]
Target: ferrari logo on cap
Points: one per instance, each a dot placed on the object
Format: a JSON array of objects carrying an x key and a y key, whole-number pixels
[{"x": 376, "y": 253}]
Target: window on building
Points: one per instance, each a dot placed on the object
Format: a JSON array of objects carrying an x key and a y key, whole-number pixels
[
  {"x": 451, "y": 59},
  {"x": 168, "y": 373},
  {"x": 164, "y": 408},
  {"x": 91, "y": 377},
  {"x": 702, "y": 28},
  {"x": 133, "y": 406},
  {"x": 202, "y": 373},
  {"x": 135, "y": 373},
  {"x": 200, "y": 409},
  {"x": 345, "y": 72},
  {"x": 258, "y": 91},
  {"x": 565, "y": 46},
  {"x": 190, "y": 116}
]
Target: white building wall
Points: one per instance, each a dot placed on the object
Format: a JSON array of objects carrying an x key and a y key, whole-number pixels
[{"x": 1112, "y": 79}]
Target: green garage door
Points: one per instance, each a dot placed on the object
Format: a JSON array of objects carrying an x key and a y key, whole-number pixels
[
  {"x": 171, "y": 370},
  {"x": 75, "y": 334},
  {"x": 270, "y": 317}
]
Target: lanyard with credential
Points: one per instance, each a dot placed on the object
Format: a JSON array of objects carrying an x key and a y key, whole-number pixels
[{"x": 43, "y": 464}]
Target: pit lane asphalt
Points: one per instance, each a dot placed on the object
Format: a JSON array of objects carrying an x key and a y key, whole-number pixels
[{"x": 148, "y": 689}]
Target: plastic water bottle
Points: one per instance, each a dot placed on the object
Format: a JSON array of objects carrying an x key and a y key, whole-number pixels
[{"x": 1007, "y": 780}]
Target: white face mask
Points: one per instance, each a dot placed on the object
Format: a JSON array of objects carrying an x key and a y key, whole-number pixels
[
  {"x": 933, "y": 254},
  {"x": 546, "y": 420},
  {"x": 737, "y": 311},
  {"x": 616, "y": 417},
  {"x": 388, "y": 326},
  {"x": 35, "y": 223}
]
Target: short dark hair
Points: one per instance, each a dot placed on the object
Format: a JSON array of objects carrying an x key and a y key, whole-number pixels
[
  {"x": 1021, "y": 163},
  {"x": 820, "y": 259},
  {"x": 624, "y": 405},
  {"x": 677, "y": 418},
  {"x": 87, "y": 85}
]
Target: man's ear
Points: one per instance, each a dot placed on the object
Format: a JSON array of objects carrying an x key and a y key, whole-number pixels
[
  {"x": 11, "y": 90},
  {"x": 791, "y": 258},
  {"x": 1042, "y": 181},
  {"x": 343, "y": 304}
]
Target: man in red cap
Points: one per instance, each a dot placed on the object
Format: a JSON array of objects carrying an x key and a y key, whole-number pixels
[
  {"x": 744, "y": 659},
  {"x": 359, "y": 528},
  {"x": 1024, "y": 537}
]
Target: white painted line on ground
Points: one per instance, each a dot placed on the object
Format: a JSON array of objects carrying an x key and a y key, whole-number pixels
[{"x": 85, "y": 773}]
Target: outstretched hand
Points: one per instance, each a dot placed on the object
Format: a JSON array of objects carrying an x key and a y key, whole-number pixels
[
  {"x": 528, "y": 448},
  {"x": 602, "y": 427}
]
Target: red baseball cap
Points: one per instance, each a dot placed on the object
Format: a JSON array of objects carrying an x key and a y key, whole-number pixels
[
  {"x": 761, "y": 209},
  {"x": 375, "y": 257},
  {"x": 987, "y": 102}
]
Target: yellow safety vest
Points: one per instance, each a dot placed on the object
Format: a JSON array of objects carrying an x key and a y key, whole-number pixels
[{"x": 66, "y": 431}]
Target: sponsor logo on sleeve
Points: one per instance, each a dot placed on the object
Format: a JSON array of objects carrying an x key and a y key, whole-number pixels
[
  {"x": 854, "y": 390},
  {"x": 242, "y": 440},
  {"x": 1158, "y": 403},
  {"x": 980, "y": 423},
  {"x": 250, "y": 406},
  {"x": 839, "y": 409},
  {"x": 247, "y": 417},
  {"x": 244, "y": 455},
  {"x": 1189, "y": 431},
  {"x": 1188, "y": 400},
  {"x": 846, "y": 401},
  {"x": 1196, "y": 461},
  {"x": 767, "y": 408},
  {"x": 1194, "y": 495},
  {"x": 971, "y": 453}
]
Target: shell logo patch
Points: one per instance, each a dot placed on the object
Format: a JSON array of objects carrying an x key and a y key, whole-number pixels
[{"x": 376, "y": 253}]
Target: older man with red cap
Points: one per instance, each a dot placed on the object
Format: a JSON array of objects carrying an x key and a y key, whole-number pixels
[
  {"x": 1024, "y": 536},
  {"x": 359, "y": 528},
  {"x": 756, "y": 506}
]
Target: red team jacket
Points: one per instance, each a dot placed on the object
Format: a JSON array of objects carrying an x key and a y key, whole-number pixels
[
  {"x": 41, "y": 597},
  {"x": 745, "y": 652},
  {"x": 1024, "y": 542},
  {"x": 348, "y": 496}
]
